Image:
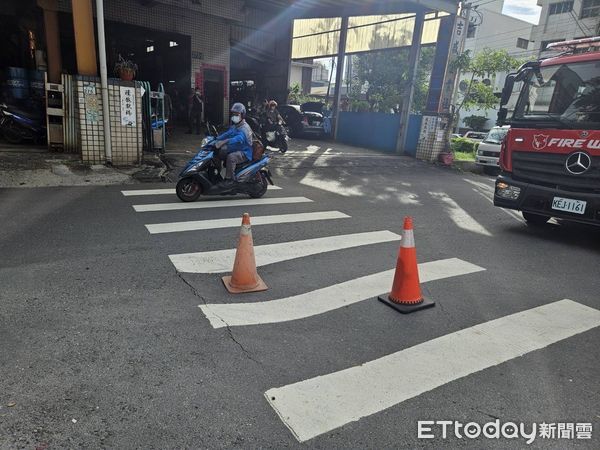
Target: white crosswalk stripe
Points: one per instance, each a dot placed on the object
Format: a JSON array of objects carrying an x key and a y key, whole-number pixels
[
  {"x": 207, "y": 204},
  {"x": 327, "y": 299},
  {"x": 318, "y": 405},
  {"x": 165, "y": 191},
  {"x": 173, "y": 227},
  {"x": 222, "y": 260},
  {"x": 459, "y": 216}
]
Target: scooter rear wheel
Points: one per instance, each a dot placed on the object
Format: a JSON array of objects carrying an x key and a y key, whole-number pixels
[
  {"x": 283, "y": 145},
  {"x": 188, "y": 189},
  {"x": 260, "y": 188}
]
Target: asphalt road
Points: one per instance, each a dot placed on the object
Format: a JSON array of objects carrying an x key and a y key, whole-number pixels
[{"x": 103, "y": 343}]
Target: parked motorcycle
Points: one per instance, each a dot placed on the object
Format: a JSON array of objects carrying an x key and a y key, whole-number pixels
[
  {"x": 18, "y": 125},
  {"x": 201, "y": 177}
]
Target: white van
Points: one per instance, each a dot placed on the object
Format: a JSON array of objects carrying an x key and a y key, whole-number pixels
[{"x": 488, "y": 153}]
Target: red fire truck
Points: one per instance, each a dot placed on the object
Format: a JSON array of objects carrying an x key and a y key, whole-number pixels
[{"x": 550, "y": 158}]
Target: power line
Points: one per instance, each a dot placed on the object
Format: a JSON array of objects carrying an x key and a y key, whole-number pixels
[
  {"x": 485, "y": 3},
  {"x": 507, "y": 32},
  {"x": 579, "y": 24}
]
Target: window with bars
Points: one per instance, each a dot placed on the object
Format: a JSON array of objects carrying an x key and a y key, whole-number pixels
[
  {"x": 560, "y": 8},
  {"x": 522, "y": 43},
  {"x": 471, "y": 30},
  {"x": 590, "y": 8}
]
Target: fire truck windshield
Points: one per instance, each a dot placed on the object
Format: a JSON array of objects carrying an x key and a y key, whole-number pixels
[{"x": 560, "y": 96}]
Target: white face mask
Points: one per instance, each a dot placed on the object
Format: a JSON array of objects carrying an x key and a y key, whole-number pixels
[{"x": 236, "y": 119}]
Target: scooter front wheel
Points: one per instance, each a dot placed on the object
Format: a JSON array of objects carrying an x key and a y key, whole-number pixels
[
  {"x": 12, "y": 134},
  {"x": 188, "y": 189}
]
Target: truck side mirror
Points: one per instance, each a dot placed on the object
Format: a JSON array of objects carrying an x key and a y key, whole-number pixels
[
  {"x": 507, "y": 90},
  {"x": 502, "y": 113}
]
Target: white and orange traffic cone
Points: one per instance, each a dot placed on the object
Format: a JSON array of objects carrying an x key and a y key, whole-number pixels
[
  {"x": 406, "y": 294},
  {"x": 244, "y": 277}
]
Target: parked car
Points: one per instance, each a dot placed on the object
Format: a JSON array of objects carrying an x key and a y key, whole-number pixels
[
  {"x": 303, "y": 120},
  {"x": 488, "y": 153},
  {"x": 476, "y": 136}
]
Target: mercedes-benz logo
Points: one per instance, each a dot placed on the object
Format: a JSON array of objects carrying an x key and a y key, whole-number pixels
[{"x": 578, "y": 163}]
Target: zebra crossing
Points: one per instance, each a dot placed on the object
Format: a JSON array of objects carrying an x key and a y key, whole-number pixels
[{"x": 315, "y": 406}]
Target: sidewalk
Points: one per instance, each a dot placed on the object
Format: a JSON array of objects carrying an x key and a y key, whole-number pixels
[{"x": 35, "y": 166}]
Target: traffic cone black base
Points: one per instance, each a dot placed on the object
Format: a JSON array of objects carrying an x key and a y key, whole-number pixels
[{"x": 406, "y": 308}]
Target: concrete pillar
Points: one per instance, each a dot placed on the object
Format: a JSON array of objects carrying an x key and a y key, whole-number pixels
[
  {"x": 440, "y": 61},
  {"x": 50, "y": 8},
  {"x": 413, "y": 66},
  {"x": 85, "y": 43},
  {"x": 339, "y": 72}
]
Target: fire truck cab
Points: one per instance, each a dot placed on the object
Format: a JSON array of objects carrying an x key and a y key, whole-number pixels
[{"x": 550, "y": 158}]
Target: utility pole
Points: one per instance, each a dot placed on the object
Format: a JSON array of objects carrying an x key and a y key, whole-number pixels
[{"x": 465, "y": 12}]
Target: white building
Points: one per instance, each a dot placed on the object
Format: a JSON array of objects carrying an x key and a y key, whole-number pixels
[
  {"x": 496, "y": 31},
  {"x": 301, "y": 73},
  {"x": 564, "y": 20}
]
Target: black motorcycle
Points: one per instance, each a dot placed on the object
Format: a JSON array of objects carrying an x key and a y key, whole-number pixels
[{"x": 17, "y": 125}]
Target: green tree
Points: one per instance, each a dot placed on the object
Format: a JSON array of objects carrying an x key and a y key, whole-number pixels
[
  {"x": 485, "y": 64},
  {"x": 297, "y": 97},
  {"x": 382, "y": 77},
  {"x": 475, "y": 122}
]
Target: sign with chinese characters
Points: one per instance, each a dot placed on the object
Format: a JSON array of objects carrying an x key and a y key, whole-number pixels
[
  {"x": 92, "y": 107},
  {"x": 128, "y": 115},
  {"x": 428, "y": 127},
  {"x": 456, "y": 48}
]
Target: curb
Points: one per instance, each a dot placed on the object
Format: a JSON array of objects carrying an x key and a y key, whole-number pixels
[
  {"x": 467, "y": 166},
  {"x": 154, "y": 170}
]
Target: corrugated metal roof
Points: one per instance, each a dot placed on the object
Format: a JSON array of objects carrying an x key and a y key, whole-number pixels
[{"x": 316, "y": 8}]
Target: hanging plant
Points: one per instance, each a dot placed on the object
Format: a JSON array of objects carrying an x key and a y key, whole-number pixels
[{"x": 125, "y": 69}]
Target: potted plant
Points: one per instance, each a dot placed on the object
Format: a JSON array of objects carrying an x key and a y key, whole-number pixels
[
  {"x": 446, "y": 157},
  {"x": 125, "y": 69}
]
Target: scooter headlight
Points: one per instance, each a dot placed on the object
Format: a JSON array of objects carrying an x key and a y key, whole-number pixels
[{"x": 207, "y": 140}]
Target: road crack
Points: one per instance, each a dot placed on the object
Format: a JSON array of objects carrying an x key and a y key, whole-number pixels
[
  {"x": 487, "y": 414},
  {"x": 227, "y": 327}
]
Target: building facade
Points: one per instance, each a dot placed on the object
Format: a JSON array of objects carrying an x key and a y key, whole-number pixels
[
  {"x": 179, "y": 44},
  {"x": 565, "y": 20},
  {"x": 493, "y": 30}
]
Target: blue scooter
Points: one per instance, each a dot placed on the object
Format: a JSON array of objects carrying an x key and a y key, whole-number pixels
[{"x": 202, "y": 177}]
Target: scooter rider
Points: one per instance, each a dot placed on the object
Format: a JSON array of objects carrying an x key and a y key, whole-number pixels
[
  {"x": 272, "y": 114},
  {"x": 235, "y": 145},
  {"x": 271, "y": 119}
]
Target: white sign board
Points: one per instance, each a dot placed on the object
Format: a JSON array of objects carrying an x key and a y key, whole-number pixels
[
  {"x": 456, "y": 48},
  {"x": 128, "y": 113}
]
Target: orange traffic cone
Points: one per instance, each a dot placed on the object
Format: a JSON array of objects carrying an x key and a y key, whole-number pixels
[
  {"x": 406, "y": 294},
  {"x": 244, "y": 277}
]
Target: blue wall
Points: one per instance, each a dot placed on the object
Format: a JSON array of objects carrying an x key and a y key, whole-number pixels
[
  {"x": 377, "y": 130},
  {"x": 414, "y": 129}
]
